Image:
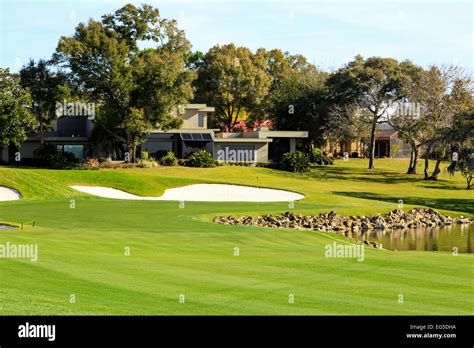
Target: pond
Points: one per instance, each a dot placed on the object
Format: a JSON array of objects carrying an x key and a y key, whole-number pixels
[
  {"x": 426, "y": 239},
  {"x": 6, "y": 227}
]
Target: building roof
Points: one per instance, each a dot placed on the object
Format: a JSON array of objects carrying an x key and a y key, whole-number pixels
[
  {"x": 184, "y": 130},
  {"x": 200, "y": 107},
  {"x": 242, "y": 140},
  {"x": 385, "y": 133},
  {"x": 283, "y": 134}
]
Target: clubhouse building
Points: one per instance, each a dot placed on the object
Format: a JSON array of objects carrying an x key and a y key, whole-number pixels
[{"x": 74, "y": 134}]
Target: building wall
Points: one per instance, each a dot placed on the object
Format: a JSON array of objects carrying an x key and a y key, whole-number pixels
[
  {"x": 185, "y": 148},
  {"x": 76, "y": 126},
  {"x": 153, "y": 146},
  {"x": 4, "y": 154},
  {"x": 260, "y": 149},
  {"x": 399, "y": 149},
  {"x": 190, "y": 119},
  {"x": 350, "y": 147},
  {"x": 27, "y": 149},
  {"x": 158, "y": 142}
]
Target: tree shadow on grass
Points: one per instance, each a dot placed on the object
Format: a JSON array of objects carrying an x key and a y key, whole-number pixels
[
  {"x": 453, "y": 204},
  {"x": 326, "y": 173},
  {"x": 350, "y": 174}
]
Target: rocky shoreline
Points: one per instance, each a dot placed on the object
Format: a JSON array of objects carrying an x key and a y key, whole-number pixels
[{"x": 333, "y": 222}]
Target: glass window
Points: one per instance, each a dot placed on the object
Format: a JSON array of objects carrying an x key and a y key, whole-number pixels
[
  {"x": 76, "y": 150},
  {"x": 200, "y": 120}
]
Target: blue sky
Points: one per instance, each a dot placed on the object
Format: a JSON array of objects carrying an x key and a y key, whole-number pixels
[{"x": 328, "y": 33}]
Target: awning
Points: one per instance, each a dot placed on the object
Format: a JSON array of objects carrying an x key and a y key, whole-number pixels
[{"x": 204, "y": 137}]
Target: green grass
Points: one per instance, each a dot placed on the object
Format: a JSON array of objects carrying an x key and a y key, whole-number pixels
[{"x": 179, "y": 251}]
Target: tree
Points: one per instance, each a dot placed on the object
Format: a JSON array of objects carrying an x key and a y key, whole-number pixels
[
  {"x": 411, "y": 130},
  {"x": 46, "y": 88},
  {"x": 468, "y": 173},
  {"x": 162, "y": 83},
  {"x": 347, "y": 123},
  {"x": 375, "y": 84},
  {"x": 280, "y": 67},
  {"x": 232, "y": 79},
  {"x": 406, "y": 118},
  {"x": 16, "y": 118},
  {"x": 444, "y": 94},
  {"x": 107, "y": 65},
  {"x": 460, "y": 137},
  {"x": 136, "y": 125},
  {"x": 300, "y": 103}
]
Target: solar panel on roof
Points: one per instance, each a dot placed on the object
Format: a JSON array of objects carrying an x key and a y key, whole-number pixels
[
  {"x": 186, "y": 136},
  {"x": 196, "y": 137}
]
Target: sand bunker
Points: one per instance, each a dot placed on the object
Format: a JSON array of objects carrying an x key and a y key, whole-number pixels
[
  {"x": 201, "y": 193},
  {"x": 9, "y": 194}
]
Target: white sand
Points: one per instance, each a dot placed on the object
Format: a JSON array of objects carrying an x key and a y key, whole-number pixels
[
  {"x": 9, "y": 194},
  {"x": 201, "y": 193}
]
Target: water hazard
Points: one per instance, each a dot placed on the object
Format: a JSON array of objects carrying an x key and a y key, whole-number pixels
[{"x": 424, "y": 239}]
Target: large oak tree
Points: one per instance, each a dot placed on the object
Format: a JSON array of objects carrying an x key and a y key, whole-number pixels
[
  {"x": 16, "y": 118},
  {"x": 234, "y": 80},
  {"x": 125, "y": 81},
  {"x": 46, "y": 88},
  {"x": 375, "y": 84}
]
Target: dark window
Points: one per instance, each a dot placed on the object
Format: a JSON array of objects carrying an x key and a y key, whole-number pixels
[
  {"x": 76, "y": 150},
  {"x": 200, "y": 120}
]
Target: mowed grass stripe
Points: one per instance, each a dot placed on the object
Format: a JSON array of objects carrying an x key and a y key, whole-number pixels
[{"x": 175, "y": 251}]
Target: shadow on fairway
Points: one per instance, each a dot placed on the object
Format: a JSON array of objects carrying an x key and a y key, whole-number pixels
[
  {"x": 330, "y": 173},
  {"x": 453, "y": 204}
]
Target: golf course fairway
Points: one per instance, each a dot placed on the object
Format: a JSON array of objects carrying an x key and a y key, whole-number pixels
[{"x": 99, "y": 256}]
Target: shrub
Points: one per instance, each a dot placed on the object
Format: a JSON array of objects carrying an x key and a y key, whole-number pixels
[
  {"x": 129, "y": 165},
  {"x": 89, "y": 164},
  {"x": 318, "y": 157},
  {"x": 295, "y": 162},
  {"x": 201, "y": 159},
  {"x": 93, "y": 162},
  {"x": 110, "y": 165},
  {"x": 160, "y": 154},
  {"x": 49, "y": 155},
  {"x": 146, "y": 163},
  {"x": 244, "y": 164},
  {"x": 265, "y": 164},
  {"x": 169, "y": 159},
  {"x": 144, "y": 155}
]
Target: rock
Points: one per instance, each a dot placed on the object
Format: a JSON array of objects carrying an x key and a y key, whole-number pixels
[{"x": 333, "y": 222}]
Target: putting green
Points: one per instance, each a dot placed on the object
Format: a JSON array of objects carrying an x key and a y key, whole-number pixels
[{"x": 138, "y": 257}]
